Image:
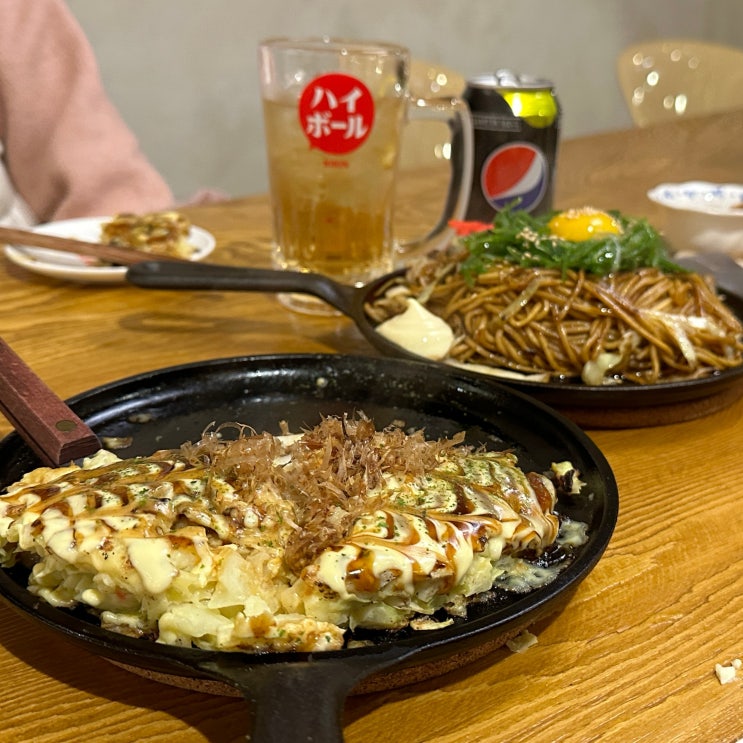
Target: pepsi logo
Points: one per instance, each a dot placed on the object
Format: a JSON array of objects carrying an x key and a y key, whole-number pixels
[{"x": 517, "y": 170}]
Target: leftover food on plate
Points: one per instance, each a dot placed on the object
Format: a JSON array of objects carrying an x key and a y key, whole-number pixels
[
  {"x": 159, "y": 233},
  {"x": 83, "y": 269},
  {"x": 580, "y": 295},
  {"x": 254, "y": 542}
]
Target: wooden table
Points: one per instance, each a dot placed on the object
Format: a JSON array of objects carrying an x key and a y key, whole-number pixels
[{"x": 631, "y": 658}]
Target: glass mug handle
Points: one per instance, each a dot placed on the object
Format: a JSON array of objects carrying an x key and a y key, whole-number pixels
[{"x": 456, "y": 113}]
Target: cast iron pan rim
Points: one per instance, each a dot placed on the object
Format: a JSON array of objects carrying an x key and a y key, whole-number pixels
[{"x": 469, "y": 628}]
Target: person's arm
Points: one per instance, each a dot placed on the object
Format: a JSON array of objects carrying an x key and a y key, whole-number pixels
[{"x": 66, "y": 148}]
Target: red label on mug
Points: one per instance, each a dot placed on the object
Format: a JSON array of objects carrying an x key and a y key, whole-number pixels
[{"x": 336, "y": 112}]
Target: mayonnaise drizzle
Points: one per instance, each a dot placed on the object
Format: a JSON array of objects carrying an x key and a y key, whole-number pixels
[{"x": 419, "y": 331}]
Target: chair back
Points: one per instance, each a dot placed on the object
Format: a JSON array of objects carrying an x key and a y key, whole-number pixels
[{"x": 663, "y": 79}]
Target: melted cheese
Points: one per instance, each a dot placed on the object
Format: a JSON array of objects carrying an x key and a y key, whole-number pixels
[{"x": 150, "y": 558}]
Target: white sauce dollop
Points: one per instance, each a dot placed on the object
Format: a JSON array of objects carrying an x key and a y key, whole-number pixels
[{"x": 419, "y": 331}]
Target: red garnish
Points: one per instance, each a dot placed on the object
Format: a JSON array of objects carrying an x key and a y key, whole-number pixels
[{"x": 463, "y": 227}]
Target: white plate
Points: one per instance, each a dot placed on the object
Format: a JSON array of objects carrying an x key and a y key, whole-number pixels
[
  {"x": 701, "y": 196},
  {"x": 71, "y": 267},
  {"x": 699, "y": 216}
]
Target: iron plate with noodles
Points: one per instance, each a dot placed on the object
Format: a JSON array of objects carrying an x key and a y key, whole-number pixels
[
  {"x": 582, "y": 299},
  {"x": 658, "y": 372}
]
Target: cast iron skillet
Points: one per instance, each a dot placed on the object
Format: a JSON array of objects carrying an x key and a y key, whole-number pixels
[
  {"x": 300, "y": 696},
  {"x": 584, "y": 404}
]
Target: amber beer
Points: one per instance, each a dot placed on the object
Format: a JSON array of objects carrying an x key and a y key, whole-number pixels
[
  {"x": 332, "y": 214},
  {"x": 334, "y": 112}
]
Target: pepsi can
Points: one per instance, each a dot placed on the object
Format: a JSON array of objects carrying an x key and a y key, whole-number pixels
[{"x": 516, "y": 121}]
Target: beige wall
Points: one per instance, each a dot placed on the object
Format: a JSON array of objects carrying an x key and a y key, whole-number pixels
[{"x": 183, "y": 72}]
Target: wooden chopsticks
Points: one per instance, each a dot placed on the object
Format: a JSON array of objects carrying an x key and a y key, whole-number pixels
[{"x": 108, "y": 253}]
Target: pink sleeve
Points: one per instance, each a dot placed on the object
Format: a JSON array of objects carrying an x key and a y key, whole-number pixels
[{"x": 67, "y": 150}]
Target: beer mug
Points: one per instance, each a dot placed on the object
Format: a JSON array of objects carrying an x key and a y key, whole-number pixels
[{"x": 334, "y": 113}]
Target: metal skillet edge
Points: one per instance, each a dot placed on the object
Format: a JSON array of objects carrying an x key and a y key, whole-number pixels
[{"x": 511, "y": 414}]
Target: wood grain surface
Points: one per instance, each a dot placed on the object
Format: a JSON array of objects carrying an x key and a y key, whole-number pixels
[{"x": 632, "y": 656}]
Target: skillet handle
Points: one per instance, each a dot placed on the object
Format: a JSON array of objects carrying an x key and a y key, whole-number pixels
[
  {"x": 193, "y": 275},
  {"x": 300, "y": 701},
  {"x": 46, "y": 424}
]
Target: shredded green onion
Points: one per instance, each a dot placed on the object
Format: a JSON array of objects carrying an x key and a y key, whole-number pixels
[{"x": 523, "y": 239}]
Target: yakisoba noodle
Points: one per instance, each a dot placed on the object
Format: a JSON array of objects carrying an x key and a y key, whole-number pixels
[{"x": 642, "y": 326}]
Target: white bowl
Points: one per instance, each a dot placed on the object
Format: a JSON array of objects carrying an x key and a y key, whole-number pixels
[{"x": 698, "y": 216}]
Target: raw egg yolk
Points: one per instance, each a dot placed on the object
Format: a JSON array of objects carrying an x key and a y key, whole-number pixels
[{"x": 577, "y": 225}]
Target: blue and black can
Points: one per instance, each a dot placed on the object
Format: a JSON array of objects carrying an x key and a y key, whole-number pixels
[{"x": 516, "y": 122}]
